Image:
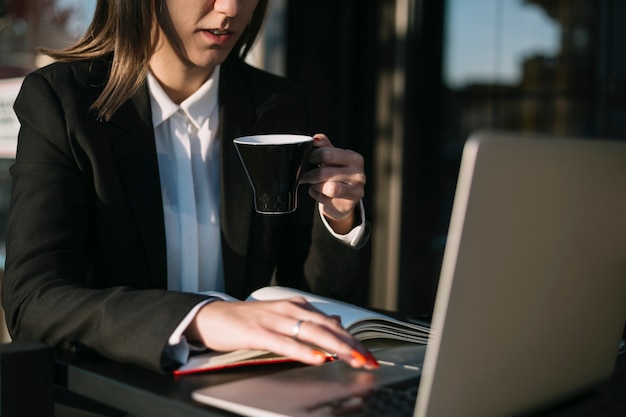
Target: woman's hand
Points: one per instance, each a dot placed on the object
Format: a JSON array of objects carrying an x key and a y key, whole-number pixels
[
  {"x": 291, "y": 327},
  {"x": 338, "y": 182}
]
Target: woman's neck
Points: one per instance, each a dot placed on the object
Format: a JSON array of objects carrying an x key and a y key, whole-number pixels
[{"x": 178, "y": 79}]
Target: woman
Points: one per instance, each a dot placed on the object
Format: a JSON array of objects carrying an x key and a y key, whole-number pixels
[{"x": 129, "y": 200}]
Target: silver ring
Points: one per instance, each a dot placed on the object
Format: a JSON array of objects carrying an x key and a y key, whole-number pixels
[{"x": 295, "y": 332}]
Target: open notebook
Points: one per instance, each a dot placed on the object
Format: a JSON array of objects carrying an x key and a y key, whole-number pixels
[{"x": 531, "y": 302}]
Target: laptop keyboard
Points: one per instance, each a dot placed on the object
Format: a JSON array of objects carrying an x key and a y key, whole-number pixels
[{"x": 389, "y": 401}]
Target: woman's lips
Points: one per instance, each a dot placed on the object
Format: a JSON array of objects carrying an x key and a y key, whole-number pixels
[{"x": 218, "y": 36}]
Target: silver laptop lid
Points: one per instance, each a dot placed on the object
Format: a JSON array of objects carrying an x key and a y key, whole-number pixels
[{"x": 531, "y": 301}]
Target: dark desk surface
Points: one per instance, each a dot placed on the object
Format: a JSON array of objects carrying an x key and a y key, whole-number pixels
[
  {"x": 145, "y": 393},
  {"x": 142, "y": 392}
]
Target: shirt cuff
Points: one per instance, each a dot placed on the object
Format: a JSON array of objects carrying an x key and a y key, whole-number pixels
[
  {"x": 354, "y": 236},
  {"x": 178, "y": 348}
]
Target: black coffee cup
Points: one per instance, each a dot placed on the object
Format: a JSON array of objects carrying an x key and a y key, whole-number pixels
[{"x": 274, "y": 164}]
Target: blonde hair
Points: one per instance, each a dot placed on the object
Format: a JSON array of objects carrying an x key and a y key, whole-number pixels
[{"x": 123, "y": 29}]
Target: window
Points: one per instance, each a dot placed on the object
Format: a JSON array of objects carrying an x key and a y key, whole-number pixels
[{"x": 528, "y": 65}]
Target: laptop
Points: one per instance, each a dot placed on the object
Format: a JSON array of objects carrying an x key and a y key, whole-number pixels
[{"x": 531, "y": 300}]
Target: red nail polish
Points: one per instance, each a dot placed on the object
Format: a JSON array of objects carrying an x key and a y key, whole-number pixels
[
  {"x": 319, "y": 354},
  {"x": 356, "y": 355},
  {"x": 372, "y": 361}
]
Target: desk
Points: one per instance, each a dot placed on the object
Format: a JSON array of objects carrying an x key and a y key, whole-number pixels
[
  {"x": 142, "y": 392},
  {"x": 150, "y": 394}
]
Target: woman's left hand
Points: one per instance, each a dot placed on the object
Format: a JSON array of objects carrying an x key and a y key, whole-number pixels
[{"x": 338, "y": 183}]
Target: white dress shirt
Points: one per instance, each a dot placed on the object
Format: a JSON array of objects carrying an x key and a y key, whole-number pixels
[{"x": 188, "y": 157}]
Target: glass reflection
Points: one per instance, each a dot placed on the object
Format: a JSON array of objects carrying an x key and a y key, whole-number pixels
[
  {"x": 519, "y": 65},
  {"x": 493, "y": 51}
]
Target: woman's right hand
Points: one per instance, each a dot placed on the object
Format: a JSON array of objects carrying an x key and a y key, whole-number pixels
[{"x": 290, "y": 327}]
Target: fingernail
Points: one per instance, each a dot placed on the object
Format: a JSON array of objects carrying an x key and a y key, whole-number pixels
[
  {"x": 372, "y": 361},
  {"x": 319, "y": 354},
  {"x": 358, "y": 356}
]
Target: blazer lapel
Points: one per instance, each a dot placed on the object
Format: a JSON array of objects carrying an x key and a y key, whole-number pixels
[
  {"x": 137, "y": 161},
  {"x": 236, "y": 117},
  {"x": 249, "y": 106},
  {"x": 236, "y": 114}
]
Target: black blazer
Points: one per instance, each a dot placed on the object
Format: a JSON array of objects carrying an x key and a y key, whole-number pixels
[{"x": 86, "y": 256}]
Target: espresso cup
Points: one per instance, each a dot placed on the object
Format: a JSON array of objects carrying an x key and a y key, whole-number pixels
[{"x": 274, "y": 164}]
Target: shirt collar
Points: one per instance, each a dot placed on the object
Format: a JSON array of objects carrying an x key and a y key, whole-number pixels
[{"x": 198, "y": 107}]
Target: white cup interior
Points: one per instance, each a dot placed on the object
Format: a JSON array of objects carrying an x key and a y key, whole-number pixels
[{"x": 279, "y": 139}]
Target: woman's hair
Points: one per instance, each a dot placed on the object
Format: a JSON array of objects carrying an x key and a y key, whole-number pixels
[{"x": 126, "y": 28}]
